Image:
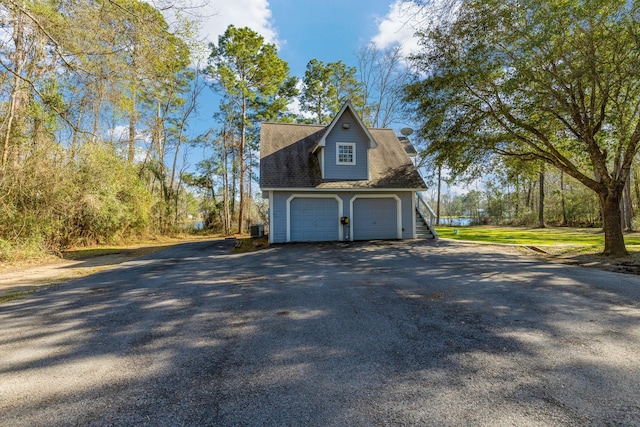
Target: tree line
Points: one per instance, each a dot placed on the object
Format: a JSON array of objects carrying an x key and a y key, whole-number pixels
[
  {"x": 553, "y": 83},
  {"x": 255, "y": 86},
  {"x": 98, "y": 100},
  {"x": 97, "y": 109},
  {"x": 94, "y": 96},
  {"x": 505, "y": 198}
]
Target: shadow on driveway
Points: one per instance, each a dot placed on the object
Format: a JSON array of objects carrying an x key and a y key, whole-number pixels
[{"x": 380, "y": 333}]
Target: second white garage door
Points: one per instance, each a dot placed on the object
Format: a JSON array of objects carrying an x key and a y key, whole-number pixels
[{"x": 375, "y": 219}]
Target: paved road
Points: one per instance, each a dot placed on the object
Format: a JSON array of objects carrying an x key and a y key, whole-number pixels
[{"x": 415, "y": 333}]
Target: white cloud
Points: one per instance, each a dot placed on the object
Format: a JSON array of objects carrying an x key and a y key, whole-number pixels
[
  {"x": 217, "y": 15},
  {"x": 210, "y": 18},
  {"x": 118, "y": 133},
  {"x": 404, "y": 18},
  {"x": 398, "y": 27}
]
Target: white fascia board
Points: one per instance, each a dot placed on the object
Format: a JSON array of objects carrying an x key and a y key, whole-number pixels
[
  {"x": 342, "y": 190},
  {"x": 336, "y": 119}
]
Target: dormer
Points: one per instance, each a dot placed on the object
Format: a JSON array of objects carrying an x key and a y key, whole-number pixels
[{"x": 343, "y": 150}]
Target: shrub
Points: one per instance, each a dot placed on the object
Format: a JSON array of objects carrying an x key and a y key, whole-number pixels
[{"x": 52, "y": 200}]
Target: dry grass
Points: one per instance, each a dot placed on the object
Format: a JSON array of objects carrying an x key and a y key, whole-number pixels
[{"x": 250, "y": 244}]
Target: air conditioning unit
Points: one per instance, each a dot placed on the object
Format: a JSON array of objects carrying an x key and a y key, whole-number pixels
[{"x": 257, "y": 230}]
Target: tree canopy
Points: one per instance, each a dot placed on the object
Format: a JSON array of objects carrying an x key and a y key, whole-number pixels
[
  {"x": 74, "y": 74},
  {"x": 550, "y": 80},
  {"x": 255, "y": 84},
  {"x": 325, "y": 87}
]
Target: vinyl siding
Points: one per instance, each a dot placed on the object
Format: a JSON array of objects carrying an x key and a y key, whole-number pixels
[
  {"x": 278, "y": 211},
  {"x": 355, "y": 135},
  {"x": 279, "y": 217}
]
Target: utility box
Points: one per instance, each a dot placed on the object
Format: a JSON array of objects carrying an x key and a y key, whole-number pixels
[{"x": 257, "y": 230}]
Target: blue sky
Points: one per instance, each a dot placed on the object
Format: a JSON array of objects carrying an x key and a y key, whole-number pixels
[{"x": 329, "y": 30}]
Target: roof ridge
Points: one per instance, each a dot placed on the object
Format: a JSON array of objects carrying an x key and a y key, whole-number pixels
[
  {"x": 294, "y": 124},
  {"x": 316, "y": 125}
]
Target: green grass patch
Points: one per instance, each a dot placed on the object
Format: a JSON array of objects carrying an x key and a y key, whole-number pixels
[
  {"x": 584, "y": 238},
  {"x": 10, "y": 296},
  {"x": 87, "y": 253},
  {"x": 78, "y": 254}
]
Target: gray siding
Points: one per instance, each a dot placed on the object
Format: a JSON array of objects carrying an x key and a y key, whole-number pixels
[
  {"x": 278, "y": 220},
  {"x": 278, "y": 212},
  {"x": 352, "y": 135},
  {"x": 408, "y": 213}
]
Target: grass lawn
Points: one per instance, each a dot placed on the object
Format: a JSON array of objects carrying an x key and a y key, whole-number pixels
[{"x": 560, "y": 239}]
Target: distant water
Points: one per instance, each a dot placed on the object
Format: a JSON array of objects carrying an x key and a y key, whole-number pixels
[
  {"x": 196, "y": 225},
  {"x": 458, "y": 222}
]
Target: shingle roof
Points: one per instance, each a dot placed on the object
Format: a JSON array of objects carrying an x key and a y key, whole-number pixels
[{"x": 286, "y": 160}]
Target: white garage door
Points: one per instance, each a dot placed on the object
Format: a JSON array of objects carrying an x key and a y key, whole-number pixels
[
  {"x": 375, "y": 219},
  {"x": 314, "y": 220}
]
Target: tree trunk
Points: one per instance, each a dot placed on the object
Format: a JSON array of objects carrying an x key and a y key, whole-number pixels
[
  {"x": 97, "y": 107},
  {"x": 225, "y": 186},
  {"x": 614, "y": 245},
  {"x": 7, "y": 137},
  {"x": 18, "y": 97},
  {"x": 131, "y": 151},
  {"x": 438, "y": 200},
  {"x": 562, "y": 200},
  {"x": 516, "y": 207},
  {"x": 636, "y": 186},
  {"x": 627, "y": 207},
  {"x": 233, "y": 186},
  {"x": 541, "y": 199},
  {"x": 249, "y": 200},
  {"x": 243, "y": 131},
  {"x": 529, "y": 198}
]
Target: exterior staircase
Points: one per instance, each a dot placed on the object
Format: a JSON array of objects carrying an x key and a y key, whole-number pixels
[
  {"x": 422, "y": 229},
  {"x": 425, "y": 220}
]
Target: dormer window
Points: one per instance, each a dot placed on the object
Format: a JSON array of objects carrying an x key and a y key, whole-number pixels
[{"x": 345, "y": 153}]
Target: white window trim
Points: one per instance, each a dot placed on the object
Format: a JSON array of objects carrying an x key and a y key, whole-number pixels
[
  {"x": 353, "y": 148},
  {"x": 271, "y": 234}
]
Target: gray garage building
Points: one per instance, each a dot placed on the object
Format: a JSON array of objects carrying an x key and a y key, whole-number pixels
[{"x": 338, "y": 182}]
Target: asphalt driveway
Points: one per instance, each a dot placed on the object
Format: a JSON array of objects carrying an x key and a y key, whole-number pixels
[{"x": 404, "y": 333}]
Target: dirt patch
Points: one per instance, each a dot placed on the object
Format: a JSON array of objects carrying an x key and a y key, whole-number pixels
[
  {"x": 627, "y": 265},
  {"x": 571, "y": 255},
  {"x": 250, "y": 244},
  {"x": 20, "y": 279}
]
